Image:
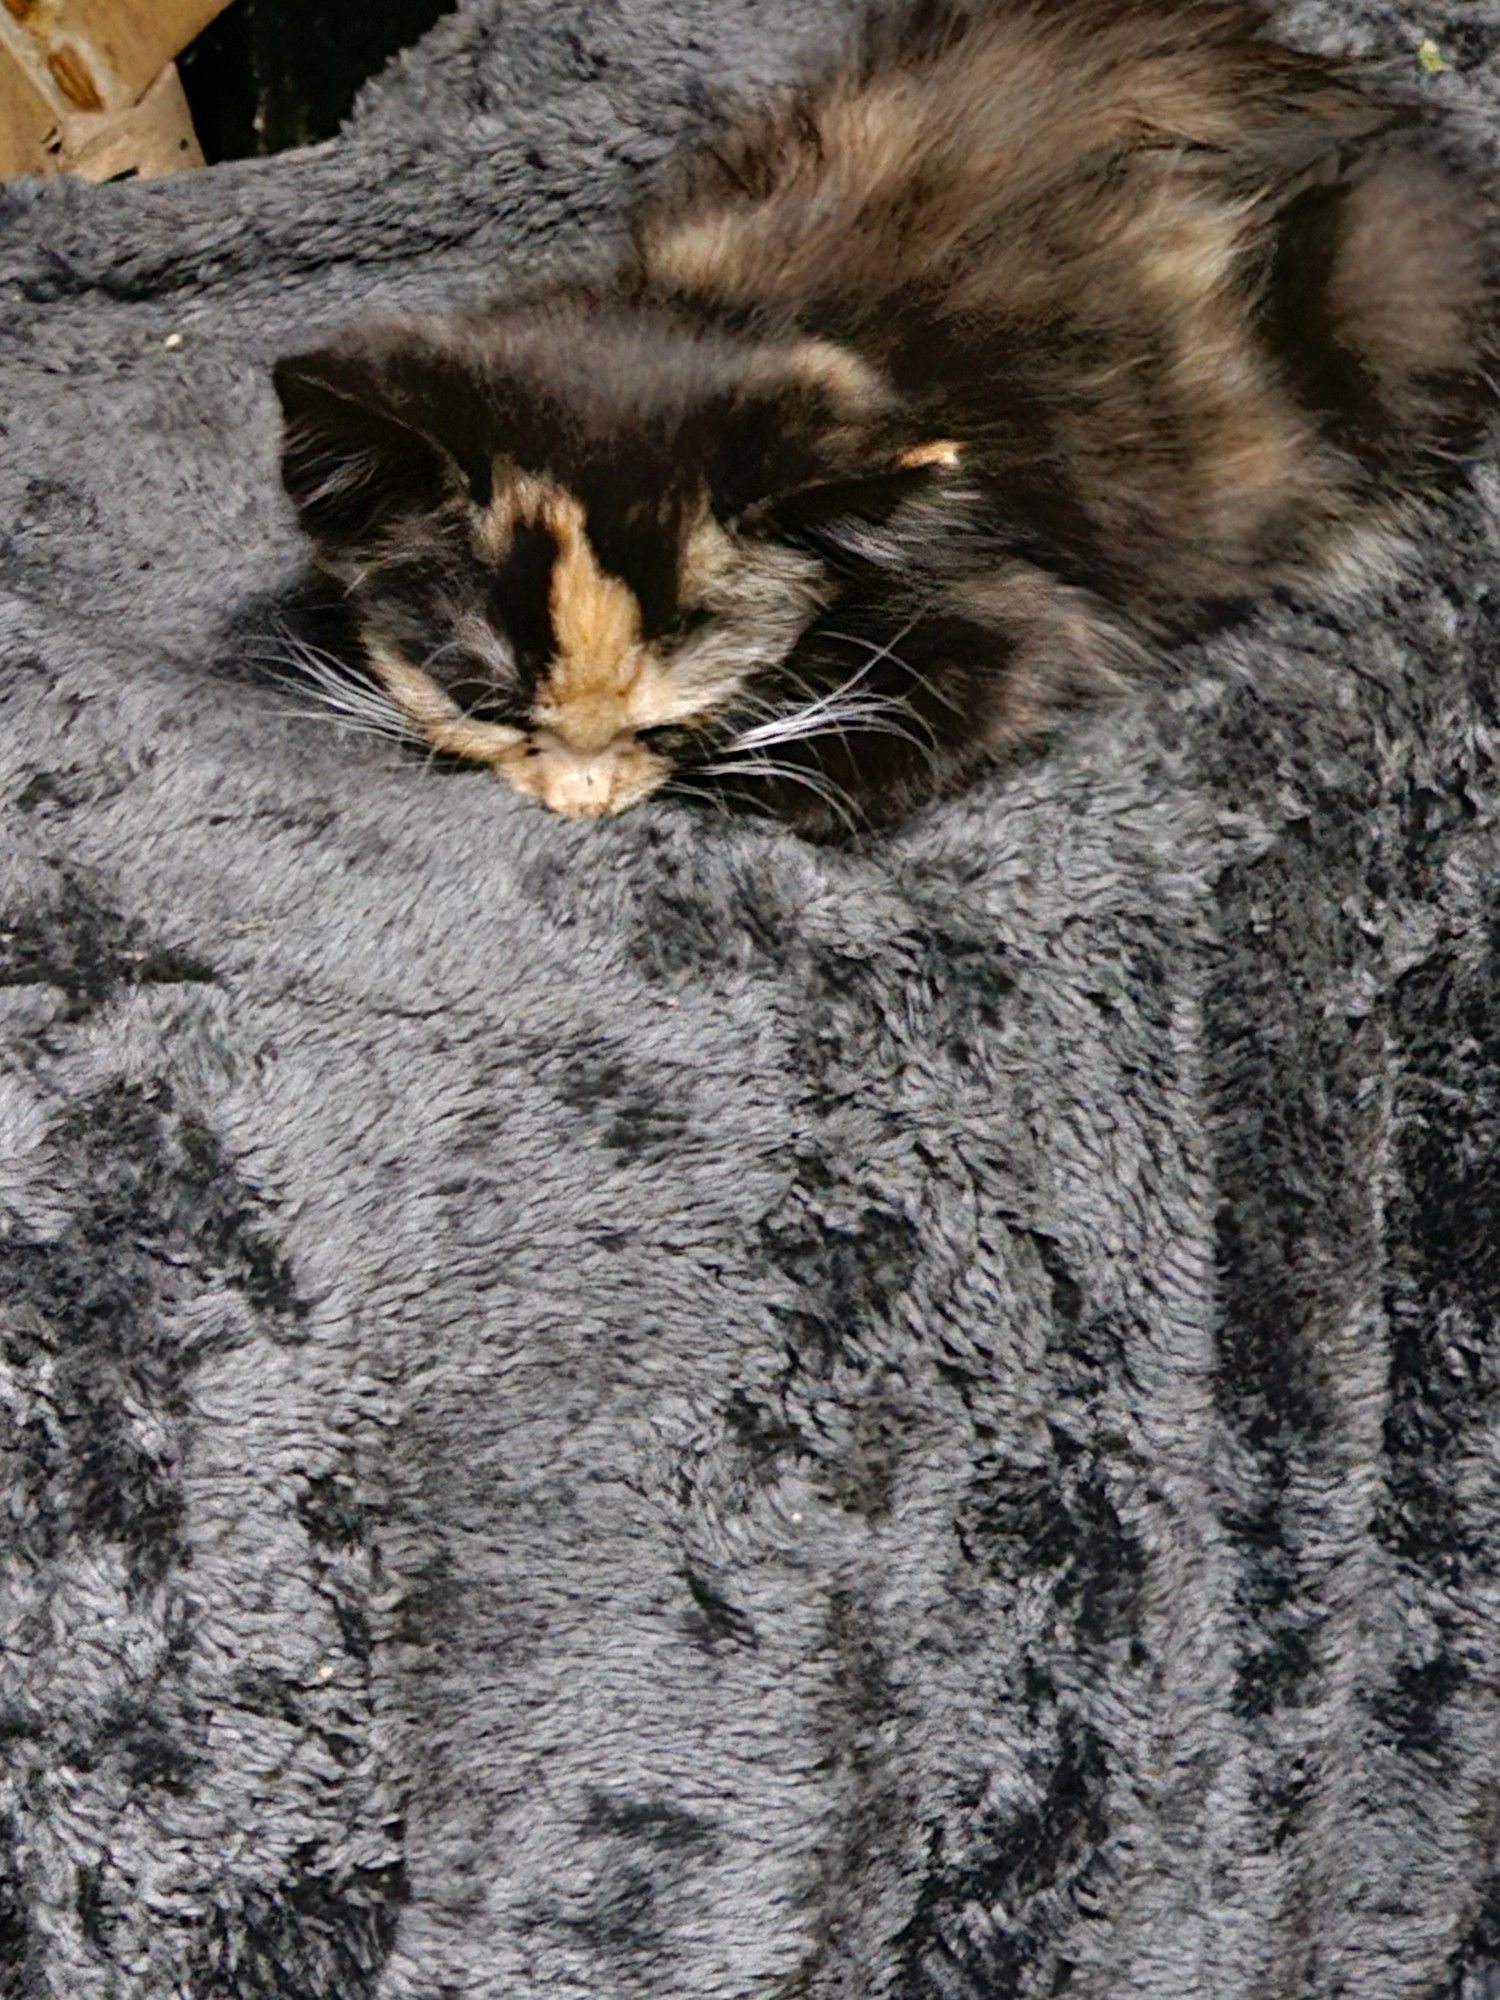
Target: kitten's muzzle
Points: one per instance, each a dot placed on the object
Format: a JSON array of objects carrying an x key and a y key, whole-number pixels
[{"x": 587, "y": 784}]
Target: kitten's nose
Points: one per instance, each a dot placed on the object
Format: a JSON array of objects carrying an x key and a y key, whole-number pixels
[
  {"x": 586, "y": 785},
  {"x": 578, "y": 783}
]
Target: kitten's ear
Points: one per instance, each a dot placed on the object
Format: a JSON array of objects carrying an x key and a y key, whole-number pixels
[
  {"x": 807, "y": 413},
  {"x": 847, "y": 520},
  {"x": 349, "y": 459}
]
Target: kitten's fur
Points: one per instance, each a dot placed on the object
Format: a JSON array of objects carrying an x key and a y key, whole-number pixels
[{"x": 1029, "y": 333}]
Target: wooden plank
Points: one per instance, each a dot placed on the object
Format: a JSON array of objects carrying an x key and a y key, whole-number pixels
[
  {"x": 28, "y": 120},
  {"x": 88, "y": 87},
  {"x": 101, "y": 55},
  {"x": 148, "y": 140}
]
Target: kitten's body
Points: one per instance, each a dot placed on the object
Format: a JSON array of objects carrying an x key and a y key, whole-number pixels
[{"x": 1027, "y": 334}]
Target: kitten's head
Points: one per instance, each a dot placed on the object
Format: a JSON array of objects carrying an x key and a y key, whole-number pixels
[{"x": 581, "y": 541}]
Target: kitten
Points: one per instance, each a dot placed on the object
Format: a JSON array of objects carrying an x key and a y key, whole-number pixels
[{"x": 1026, "y": 336}]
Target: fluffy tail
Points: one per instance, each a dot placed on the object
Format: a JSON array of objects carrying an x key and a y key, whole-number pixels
[{"x": 1381, "y": 304}]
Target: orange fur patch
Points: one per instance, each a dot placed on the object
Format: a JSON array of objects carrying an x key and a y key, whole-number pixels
[
  {"x": 585, "y": 698},
  {"x": 939, "y": 451},
  {"x": 438, "y": 719}
]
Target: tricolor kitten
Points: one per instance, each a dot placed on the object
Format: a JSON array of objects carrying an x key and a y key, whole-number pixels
[{"x": 1029, "y": 333}]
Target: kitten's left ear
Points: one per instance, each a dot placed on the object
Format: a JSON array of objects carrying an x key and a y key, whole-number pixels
[
  {"x": 352, "y": 455},
  {"x": 846, "y": 519}
]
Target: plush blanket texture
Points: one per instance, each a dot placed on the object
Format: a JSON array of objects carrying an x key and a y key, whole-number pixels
[{"x": 644, "y": 1410}]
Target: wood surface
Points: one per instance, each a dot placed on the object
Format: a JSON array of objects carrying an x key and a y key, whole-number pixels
[{"x": 86, "y": 86}]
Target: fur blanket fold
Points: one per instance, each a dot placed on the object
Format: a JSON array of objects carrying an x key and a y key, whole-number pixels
[{"x": 648, "y": 1412}]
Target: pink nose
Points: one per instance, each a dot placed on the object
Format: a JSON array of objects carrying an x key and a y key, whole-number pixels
[{"x": 581, "y": 784}]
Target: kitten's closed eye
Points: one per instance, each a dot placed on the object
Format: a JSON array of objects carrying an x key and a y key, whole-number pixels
[
  {"x": 689, "y": 620},
  {"x": 674, "y": 741}
]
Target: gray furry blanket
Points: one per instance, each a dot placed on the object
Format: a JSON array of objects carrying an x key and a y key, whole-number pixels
[{"x": 644, "y": 1410}]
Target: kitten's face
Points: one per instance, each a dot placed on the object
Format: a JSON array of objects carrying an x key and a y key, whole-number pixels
[
  {"x": 575, "y": 546},
  {"x": 585, "y": 652}
]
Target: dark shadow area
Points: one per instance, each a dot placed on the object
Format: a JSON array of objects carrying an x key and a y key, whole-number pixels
[{"x": 270, "y": 74}]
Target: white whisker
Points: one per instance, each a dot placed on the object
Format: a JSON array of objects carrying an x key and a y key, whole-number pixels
[
  {"x": 349, "y": 724},
  {"x": 438, "y": 652},
  {"x": 336, "y": 690},
  {"x": 342, "y": 723},
  {"x": 872, "y": 717},
  {"x": 305, "y": 669},
  {"x": 346, "y": 701},
  {"x": 879, "y": 654},
  {"x": 798, "y": 722},
  {"x": 815, "y": 782},
  {"x": 832, "y": 707},
  {"x": 813, "y": 714},
  {"x": 709, "y": 794}
]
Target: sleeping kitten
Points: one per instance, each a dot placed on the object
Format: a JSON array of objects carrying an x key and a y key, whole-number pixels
[{"x": 1025, "y": 336}]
